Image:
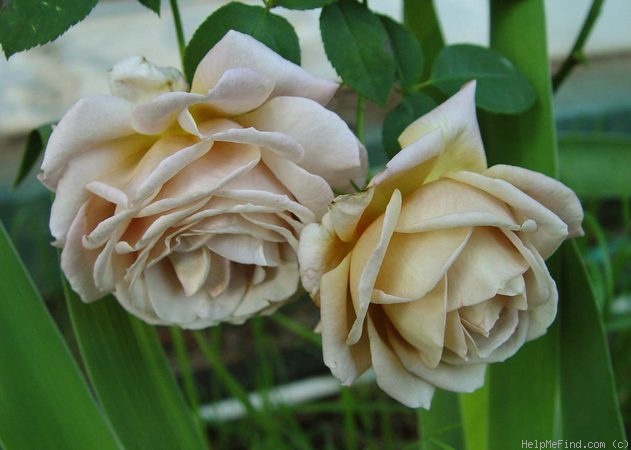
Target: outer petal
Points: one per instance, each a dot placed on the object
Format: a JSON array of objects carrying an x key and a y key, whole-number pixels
[
  {"x": 347, "y": 362},
  {"x": 391, "y": 375},
  {"x": 551, "y": 193},
  {"x": 239, "y": 50},
  {"x": 457, "y": 120},
  {"x": 331, "y": 149},
  {"x": 76, "y": 133}
]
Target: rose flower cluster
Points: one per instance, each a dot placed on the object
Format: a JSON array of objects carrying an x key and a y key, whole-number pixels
[{"x": 195, "y": 208}]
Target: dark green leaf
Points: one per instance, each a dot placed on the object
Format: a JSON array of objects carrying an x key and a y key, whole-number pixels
[
  {"x": 302, "y": 4},
  {"x": 357, "y": 44},
  {"x": 27, "y": 23},
  {"x": 270, "y": 29},
  {"x": 35, "y": 144},
  {"x": 131, "y": 376},
  {"x": 589, "y": 405},
  {"x": 596, "y": 165},
  {"x": 441, "y": 426},
  {"x": 411, "y": 108},
  {"x": 501, "y": 88},
  {"x": 408, "y": 55},
  {"x": 153, "y": 5},
  {"x": 44, "y": 401}
]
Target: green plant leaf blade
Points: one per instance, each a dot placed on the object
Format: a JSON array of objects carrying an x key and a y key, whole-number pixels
[
  {"x": 596, "y": 166},
  {"x": 357, "y": 44},
  {"x": 441, "y": 425},
  {"x": 43, "y": 396},
  {"x": 153, "y": 5},
  {"x": 408, "y": 55},
  {"x": 272, "y": 30},
  {"x": 35, "y": 144},
  {"x": 131, "y": 376},
  {"x": 302, "y": 4},
  {"x": 474, "y": 409},
  {"x": 589, "y": 404},
  {"x": 501, "y": 88},
  {"x": 411, "y": 108},
  {"x": 27, "y": 23}
]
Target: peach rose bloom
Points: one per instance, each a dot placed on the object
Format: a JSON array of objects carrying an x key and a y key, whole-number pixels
[
  {"x": 187, "y": 206},
  {"x": 437, "y": 267}
]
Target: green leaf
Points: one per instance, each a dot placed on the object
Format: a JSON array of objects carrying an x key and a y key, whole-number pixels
[
  {"x": 357, "y": 44},
  {"x": 474, "y": 408},
  {"x": 27, "y": 23},
  {"x": 524, "y": 389},
  {"x": 408, "y": 55},
  {"x": 420, "y": 17},
  {"x": 44, "y": 399},
  {"x": 35, "y": 144},
  {"x": 411, "y": 108},
  {"x": 501, "y": 88},
  {"x": 589, "y": 405},
  {"x": 302, "y": 4},
  {"x": 153, "y": 5},
  {"x": 272, "y": 30},
  {"x": 441, "y": 426},
  {"x": 596, "y": 165},
  {"x": 131, "y": 376}
]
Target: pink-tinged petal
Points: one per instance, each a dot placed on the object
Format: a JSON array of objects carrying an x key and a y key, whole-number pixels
[
  {"x": 237, "y": 50},
  {"x": 422, "y": 323},
  {"x": 135, "y": 299},
  {"x": 269, "y": 199},
  {"x": 503, "y": 330},
  {"x": 77, "y": 133},
  {"x": 456, "y": 118},
  {"x": 330, "y": 148},
  {"x": 485, "y": 266},
  {"x": 446, "y": 203},
  {"x": 457, "y": 378},
  {"x": 111, "y": 162},
  {"x": 309, "y": 189},
  {"x": 280, "y": 144},
  {"x": 551, "y": 193},
  {"x": 415, "y": 263},
  {"x": 551, "y": 230},
  {"x": 366, "y": 261},
  {"x": 77, "y": 262},
  {"x": 391, "y": 375},
  {"x": 347, "y": 362},
  {"x": 191, "y": 269}
]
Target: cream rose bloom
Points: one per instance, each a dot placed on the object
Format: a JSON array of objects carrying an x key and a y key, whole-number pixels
[
  {"x": 188, "y": 205},
  {"x": 437, "y": 268}
]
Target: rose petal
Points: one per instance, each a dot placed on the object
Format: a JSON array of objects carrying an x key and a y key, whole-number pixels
[
  {"x": 456, "y": 118},
  {"x": 552, "y": 194},
  {"x": 191, "y": 269},
  {"x": 237, "y": 50}
]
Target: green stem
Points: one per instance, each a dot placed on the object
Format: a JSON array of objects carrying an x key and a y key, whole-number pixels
[
  {"x": 181, "y": 355},
  {"x": 575, "y": 56},
  {"x": 350, "y": 432},
  {"x": 297, "y": 329},
  {"x": 591, "y": 223},
  {"x": 179, "y": 31},
  {"x": 420, "y": 17},
  {"x": 360, "y": 114}
]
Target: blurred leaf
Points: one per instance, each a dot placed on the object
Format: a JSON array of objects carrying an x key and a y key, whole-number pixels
[
  {"x": 153, "y": 5},
  {"x": 501, "y": 88},
  {"x": 357, "y": 44},
  {"x": 272, "y": 30},
  {"x": 45, "y": 402},
  {"x": 589, "y": 405},
  {"x": 523, "y": 390},
  {"x": 27, "y": 23},
  {"x": 35, "y": 144},
  {"x": 408, "y": 55},
  {"x": 302, "y": 4},
  {"x": 420, "y": 17},
  {"x": 411, "y": 108},
  {"x": 596, "y": 165},
  {"x": 131, "y": 376},
  {"x": 474, "y": 409},
  {"x": 441, "y": 426}
]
